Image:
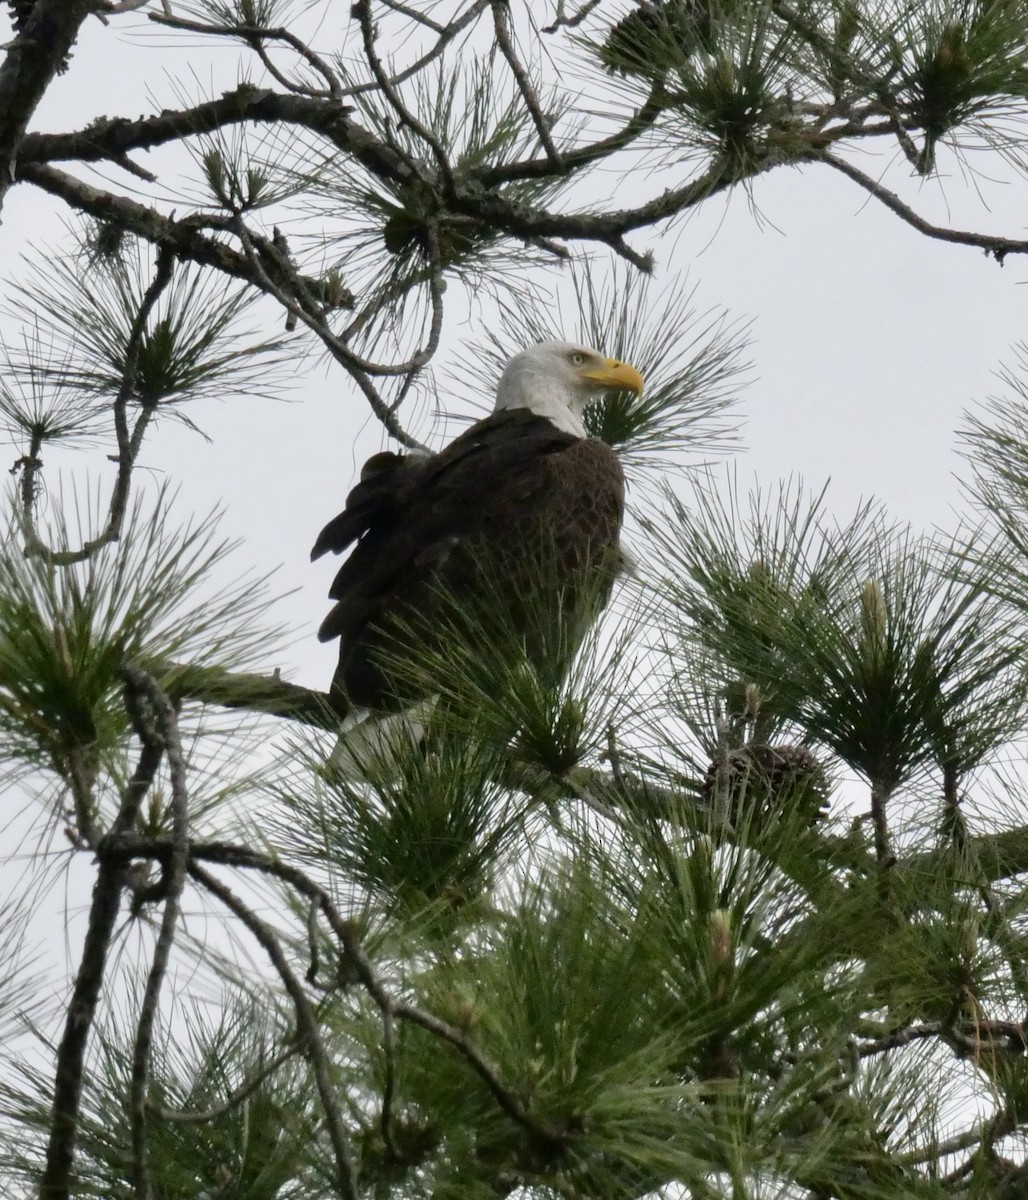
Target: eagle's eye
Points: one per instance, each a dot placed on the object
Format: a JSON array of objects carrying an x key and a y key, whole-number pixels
[{"x": 578, "y": 359}]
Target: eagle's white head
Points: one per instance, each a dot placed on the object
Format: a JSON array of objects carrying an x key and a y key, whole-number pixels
[{"x": 556, "y": 380}]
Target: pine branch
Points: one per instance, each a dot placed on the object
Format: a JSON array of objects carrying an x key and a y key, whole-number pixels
[
  {"x": 110, "y": 137},
  {"x": 307, "y": 1023},
  {"x": 103, "y": 915},
  {"x": 183, "y": 237},
  {"x": 28, "y": 68},
  {"x": 994, "y": 246},
  {"x": 156, "y": 727}
]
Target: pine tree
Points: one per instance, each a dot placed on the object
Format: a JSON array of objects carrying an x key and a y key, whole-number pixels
[{"x": 735, "y": 906}]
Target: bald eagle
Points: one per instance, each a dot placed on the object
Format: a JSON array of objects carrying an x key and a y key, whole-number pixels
[{"x": 516, "y": 522}]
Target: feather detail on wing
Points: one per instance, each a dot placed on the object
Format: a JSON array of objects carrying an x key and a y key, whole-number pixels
[{"x": 461, "y": 523}]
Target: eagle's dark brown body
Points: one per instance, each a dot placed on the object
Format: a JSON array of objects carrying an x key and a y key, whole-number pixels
[{"x": 514, "y": 520}]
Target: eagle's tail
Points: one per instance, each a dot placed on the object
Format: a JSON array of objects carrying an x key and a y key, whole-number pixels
[{"x": 369, "y": 743}]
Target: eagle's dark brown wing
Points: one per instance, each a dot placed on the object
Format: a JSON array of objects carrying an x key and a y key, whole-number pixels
[{"x": 511, "y": 499}]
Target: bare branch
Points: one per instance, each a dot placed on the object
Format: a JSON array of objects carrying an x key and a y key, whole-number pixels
[
  {"x": 563, "y": 21},
  {"x": 255, "y": 36},
  {"x": 64, "y": 1112},
  {"x": 28, "y": 68},
  {"x": 530, "y": 223},
  {"x": 103, "y": 915},
  {"x": 501, "y": 26},
  {"x": 307, "y": 1023},
  {"x": 265, "y": 694},
  {"x": 157, "y": 728},
  {"x": 107, "y": 138},
  {"x": 996, "y": 247},
  {"x": 412, "y": 14},
  {"x": 184, "y": 237},
  {"x": 901, "y": 1037}
]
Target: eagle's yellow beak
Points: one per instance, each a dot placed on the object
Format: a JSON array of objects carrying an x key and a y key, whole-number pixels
[{"x": 613, "y": 374}]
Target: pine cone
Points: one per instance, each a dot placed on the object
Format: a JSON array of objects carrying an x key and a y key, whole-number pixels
[{"x": 755, "y": 779}]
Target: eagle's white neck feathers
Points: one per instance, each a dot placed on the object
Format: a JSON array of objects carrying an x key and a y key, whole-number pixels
[{"x": 544, "y": 380}]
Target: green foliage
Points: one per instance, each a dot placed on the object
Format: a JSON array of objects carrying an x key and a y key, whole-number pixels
[
  {"x": 850, "y": 635},
  {"x": 252, "y": 1150},
  {"x": 149, "y": 598},
  {"x": 956, "y": 62},
  {"x": 195, "y": 344},
  {"x": 244, "y": 174},
  {"x": 427, "y": 833},
  {"x": 38, "y": 407},
  {"x": 410, "y": 215},
  {"x": 655, "y": 37},
  {"x": 693, "y": 363}
]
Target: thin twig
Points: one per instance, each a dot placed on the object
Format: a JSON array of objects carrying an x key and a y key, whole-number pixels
[
  {"x": 307, "y": 1022},
  {"x": 901, "y": 1037},
  {"x": 485, "y": 1070},
  {"x": 129, "y": 444},
  {"x": 541, "y": 168},
  {"x": 254, "y": 35},
  {"x": 132, "y": 168},
  {"x": 103, "y": 916},
  {"x": 614, "y": 756},
  {"x": 501, "y": 11},
  {"x": 358, "y": 368},
  {"x": 312, "y": 942},
  {"x": 158, "y": 734},
  {"x": 996, "y": 247},
  {"x": 253, "y": 244},
  {"x": 998, "y": 1126},
  {"x": 563, "y": 21},
  {"x": 446, "y": 35},
  {"x": 242, "y": 1093},
  {"x": 362, "y": 11},
  {"x": 412, "y": 14}
]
